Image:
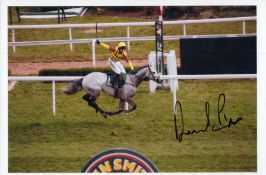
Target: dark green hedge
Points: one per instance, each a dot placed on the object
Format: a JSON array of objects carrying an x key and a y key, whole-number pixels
[{"x": 75, "y": 71}]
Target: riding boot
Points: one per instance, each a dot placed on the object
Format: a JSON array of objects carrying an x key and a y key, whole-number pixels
[{"x": 116, "y": 84}]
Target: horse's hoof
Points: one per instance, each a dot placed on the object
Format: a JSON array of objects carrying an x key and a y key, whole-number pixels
[{"x": 104, "y": 115}]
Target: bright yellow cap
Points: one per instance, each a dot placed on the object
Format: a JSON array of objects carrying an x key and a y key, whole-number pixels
[{"x": 121, "y": 44}]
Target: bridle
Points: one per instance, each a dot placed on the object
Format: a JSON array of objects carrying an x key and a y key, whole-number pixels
[
  {"x": 153, "y": 78},
  {"x": 150, "y": 73}
]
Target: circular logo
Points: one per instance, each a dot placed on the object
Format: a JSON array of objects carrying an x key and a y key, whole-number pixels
[{"x": 119, "y": 160}]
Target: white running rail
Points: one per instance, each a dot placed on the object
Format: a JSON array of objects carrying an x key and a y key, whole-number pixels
[{"x": 53, "y": 79}]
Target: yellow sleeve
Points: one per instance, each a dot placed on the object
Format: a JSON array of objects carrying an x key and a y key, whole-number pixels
[
  {"x": 104, "y": 45},
  {"x": 130, "y": 65}
]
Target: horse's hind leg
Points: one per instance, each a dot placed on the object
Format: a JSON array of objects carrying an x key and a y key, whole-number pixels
[
  {"x": 88, "y": 98},
  {"x": 91, "y": 101}
]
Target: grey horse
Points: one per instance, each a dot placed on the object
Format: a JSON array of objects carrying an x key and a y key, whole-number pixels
[{"x": 95, "y": 82}]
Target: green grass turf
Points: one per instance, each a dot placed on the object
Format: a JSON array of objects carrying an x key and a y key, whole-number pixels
[
  {"x": 83, "y": 52},
  {"x": 40, "y": 142}
]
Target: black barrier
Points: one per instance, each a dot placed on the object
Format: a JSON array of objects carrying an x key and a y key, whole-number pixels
[{"x": 230, "y": 55}]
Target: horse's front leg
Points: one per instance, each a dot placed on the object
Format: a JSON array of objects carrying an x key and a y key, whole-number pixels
[
  {"x": 132, "y": 103},
  {"x": 121, "y": 107}
]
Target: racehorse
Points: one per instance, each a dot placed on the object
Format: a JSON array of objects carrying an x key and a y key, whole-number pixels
[{"x": 95, "y": 82}]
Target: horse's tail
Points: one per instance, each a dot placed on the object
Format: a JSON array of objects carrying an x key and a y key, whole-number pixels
[{"x": 73, "y": 87}]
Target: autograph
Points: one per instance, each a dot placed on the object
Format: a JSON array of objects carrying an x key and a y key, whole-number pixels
[{"x": 214, "y": 127}]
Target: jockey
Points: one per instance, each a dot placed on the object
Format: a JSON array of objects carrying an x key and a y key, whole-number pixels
[{"x": 117, "y": 53}]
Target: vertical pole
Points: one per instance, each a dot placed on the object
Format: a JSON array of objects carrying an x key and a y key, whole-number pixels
[
  {"x": 128, "y": 35},
  {"x": 53, "y": 94},
  {"x": 13, "y": 40},
  {"x": 162, "y": 45},
  {"x": 18, "y": 14},
  {"x": 63, "y": 14},
  {"x": 93, "y": 53},
  {"x": 10, "y": 15},
  {"x": 152, "y": 62},
  {"x": 174, "y": 97},
  {"x": 70, "y": 38},
  {"x": 96, "y": 30},
  {"x": 174, "y": 69},
  {"x": 184, "y": 30},
  {"x": 159, "y": 43},
  {"x": 127, "y": 106},
  {"x": 58, "y": 15},
  {"x": 244, "y": 27}
]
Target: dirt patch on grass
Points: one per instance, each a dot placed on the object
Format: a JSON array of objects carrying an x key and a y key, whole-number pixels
[{"x": 34, "y": 68}]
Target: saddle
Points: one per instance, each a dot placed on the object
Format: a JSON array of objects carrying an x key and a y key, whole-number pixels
[{"x": 111, "y": 80}]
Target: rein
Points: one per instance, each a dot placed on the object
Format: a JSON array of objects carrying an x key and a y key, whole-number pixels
[{"x": 153, "y": 78}]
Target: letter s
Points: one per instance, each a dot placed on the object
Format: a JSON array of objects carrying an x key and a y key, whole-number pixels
[{"x": 118, "y": 164}]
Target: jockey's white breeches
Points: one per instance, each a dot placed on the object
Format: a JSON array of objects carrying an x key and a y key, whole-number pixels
[{"x": 117, "y": 67}]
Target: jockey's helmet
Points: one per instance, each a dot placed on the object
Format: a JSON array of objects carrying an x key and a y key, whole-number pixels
[{"x": 121, "y": 45}]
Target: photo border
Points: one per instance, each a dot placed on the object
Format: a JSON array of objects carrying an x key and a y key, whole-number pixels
[{"x": 261, "y": 65}]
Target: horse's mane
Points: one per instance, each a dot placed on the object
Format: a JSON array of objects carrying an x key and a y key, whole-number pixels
[
  {"x": 138, "y": 69},
  {"x": 132, "y": 72}
]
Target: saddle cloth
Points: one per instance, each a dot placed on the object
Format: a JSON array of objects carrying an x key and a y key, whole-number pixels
[{"x": 111, "y": 77}]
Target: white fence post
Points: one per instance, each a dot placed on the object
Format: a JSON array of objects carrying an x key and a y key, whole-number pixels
[
  {"x": 53, "y": 97},
  {"x": 244, "y": 27},
  {"x": 152, "y": 62},
  {"x": 128, "y": 35},
  {"x": 126, "y": 106},
  {"x": 184, "y": 30},
  {"x": 174, "y": 70},
  {"x": 13, "y": 40},
  {"x": 93, "y": 53},
  {"x": 174, "y": 97},
  {"x": 171, "y": 69},
  {"x": 70, "y": 38}
]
